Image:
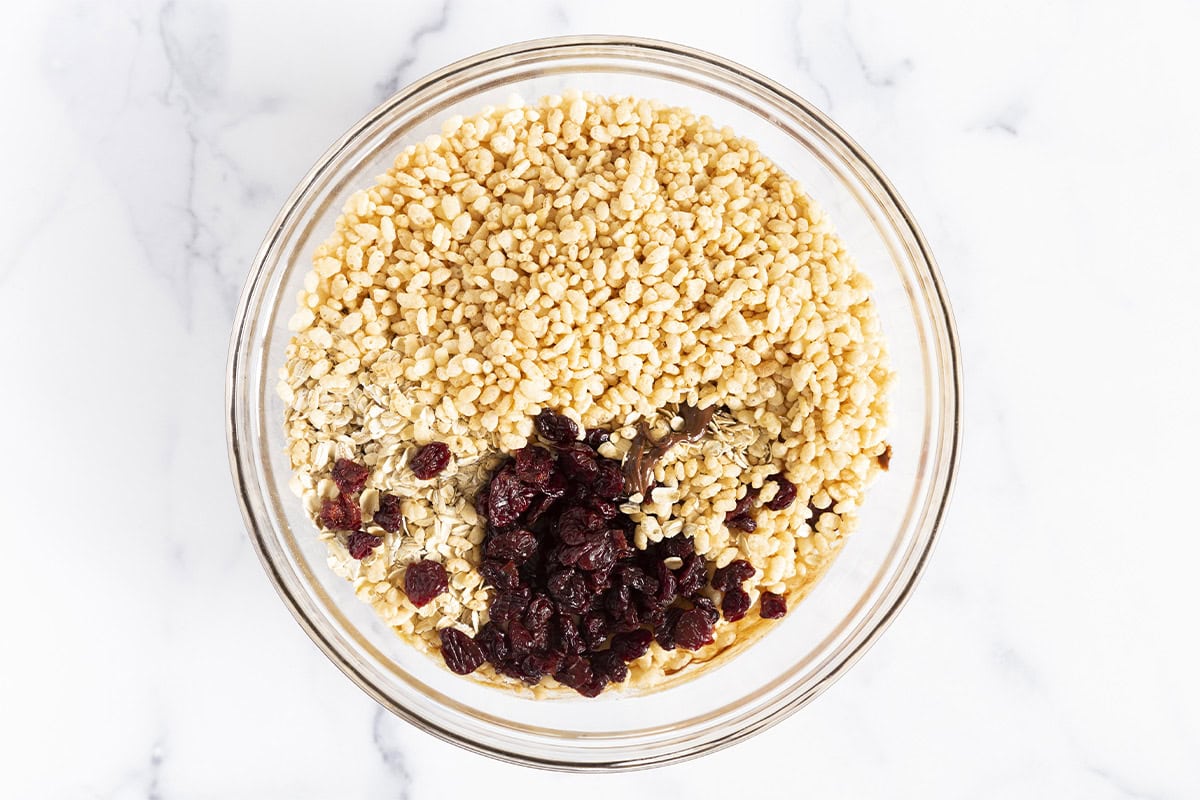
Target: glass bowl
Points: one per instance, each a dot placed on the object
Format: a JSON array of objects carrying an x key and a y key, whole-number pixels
[{"x": 824, "y": 634}]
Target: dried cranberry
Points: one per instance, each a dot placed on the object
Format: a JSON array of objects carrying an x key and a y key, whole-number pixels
[
  {"x": 555, "y": 427},
  {"x": 664, "y": 634},
  {"x": 598, "y": 556},
  {"x": 527, "y": 669},
  {"x": 747, "y": 523},
  {"x": 610, "y": 481},
  {"x": 555, "y": 486},
  {"x": 541, "y": 637},
  {"x": 494, "y": 643},
  {"x": 732, "y": 575},
  {"x": 692, "y": 575},
  {"x": 596, "y": 437},
  {"x": 620, "y": 542},
  {"x": 785, "y": 496},
  {"x": 539, "y": 612},
  {"x": 430, "y": 460},
  {"x": 577, "y": 494},
  {"x": 745, "y": 505},
  {"x": 569, "y": 555},
  {"x": 608, "y": 665},
  {"x": 535, "y": 665},
  {"x": 350, "y": 476},
  {"x": 389, "y": 517},
  {"x": 617, "y": 601},
  {"x": 568, "y": 589},
  {"x": 538, "y": 509},
  {"x": 594, "y": 629},
  {"x": 460, "y": 652},
  {"x": 520, "y": 639},
  {"x": 516, "y": 545},
  {"x": 508, "y": 498},
  {"x": 574, "y": 671},
  {"x": 499, "y": 574},
  {"x": 735, "y": 604},
  {"x": 631, "y": 620},
  {"x": 534, "y": 465},
  {"x": 605, "y": 508},
  {"x": 771, "y": 605},
  {"x": 512, "y": 668},
  {"x": 647, "y": 602},
  {"x": 597, "y": 582},
  {"x": 423, "y": 581},
  {"x": 508, "y": 605},
  {"x": 564, "y": 635},
  {"x": 654, "y": 616},
  {"x": 668, "y": 586},
  {"x": 708, "y": 607},
  {"x": 341, "y": 513},
  {"x": 361, "y": 544},
  {"x": 693, "y": 630},
  {"x": 676, "y": 547},
  {"x": 633, "y": 577},
  {"x": 577, "y": 523},
  {"x": 578, "y": 461},
  {"x": 632, "y": 645}
]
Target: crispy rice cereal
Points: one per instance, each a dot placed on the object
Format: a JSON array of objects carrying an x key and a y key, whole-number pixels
[{"x": 611, "y": 259}]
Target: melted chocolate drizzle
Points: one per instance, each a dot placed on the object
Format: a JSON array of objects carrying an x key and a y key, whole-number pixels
[{"x": 644, "y": 453}]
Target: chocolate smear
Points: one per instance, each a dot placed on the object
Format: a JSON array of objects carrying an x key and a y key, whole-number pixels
[{"x": 644, "y": 453}]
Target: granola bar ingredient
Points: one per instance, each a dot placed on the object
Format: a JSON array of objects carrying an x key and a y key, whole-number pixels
[
  {"x": 423, "y": 581},
  {"x": 361, "y": 544},
  {"x": 772, "y": 606},
  {"x": 430, "y": 460}
]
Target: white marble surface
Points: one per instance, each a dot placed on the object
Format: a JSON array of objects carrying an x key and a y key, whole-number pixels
[{"x": 1049, "y": 150}]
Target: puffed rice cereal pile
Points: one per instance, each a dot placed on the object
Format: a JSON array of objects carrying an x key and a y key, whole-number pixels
[{"x": 614, "y": 261}]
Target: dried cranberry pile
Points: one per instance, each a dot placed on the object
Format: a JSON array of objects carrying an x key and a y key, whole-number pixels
[
  {"x": 573, "y": 598},
  {"x": 423, "y": 580}
]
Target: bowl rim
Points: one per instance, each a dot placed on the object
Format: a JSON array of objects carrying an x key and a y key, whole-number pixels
[{"x": 943, "y": 471}]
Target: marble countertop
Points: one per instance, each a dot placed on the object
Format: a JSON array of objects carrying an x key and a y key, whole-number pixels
[{"x": 1049, "y": 151}]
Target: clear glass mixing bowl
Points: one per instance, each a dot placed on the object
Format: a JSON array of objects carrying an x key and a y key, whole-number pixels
[{"x": 820, "y": 638}]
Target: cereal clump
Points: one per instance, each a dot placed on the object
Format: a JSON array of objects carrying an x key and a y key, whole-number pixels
[{"x": 613, "y": 260}]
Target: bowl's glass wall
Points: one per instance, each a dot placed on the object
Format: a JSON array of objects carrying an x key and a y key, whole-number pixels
[{"x": 793, "y": 662}]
